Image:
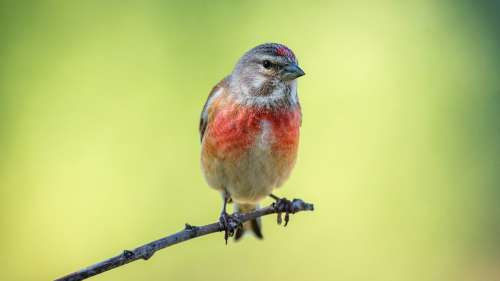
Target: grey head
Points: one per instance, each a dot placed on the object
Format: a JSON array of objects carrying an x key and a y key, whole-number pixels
[{"x": 266, "y": 74}]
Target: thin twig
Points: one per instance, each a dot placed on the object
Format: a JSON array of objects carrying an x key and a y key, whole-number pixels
[{"x": 146, "y": 251}]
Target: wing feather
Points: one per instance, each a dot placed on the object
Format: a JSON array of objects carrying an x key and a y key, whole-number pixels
[{"x": 204, "y": 113}]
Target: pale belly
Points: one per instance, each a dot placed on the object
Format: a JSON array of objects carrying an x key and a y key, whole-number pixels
[{"x": 252, "y": 173}]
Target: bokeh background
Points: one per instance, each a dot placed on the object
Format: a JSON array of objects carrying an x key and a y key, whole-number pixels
[{"x": 400, "y": 147}]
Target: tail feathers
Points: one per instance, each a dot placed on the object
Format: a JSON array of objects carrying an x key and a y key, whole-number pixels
[{"x": 254, "y": 225}]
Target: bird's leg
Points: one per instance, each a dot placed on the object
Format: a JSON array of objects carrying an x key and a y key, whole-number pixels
[
  {"x": 228, "y": 222},
  {"x": 282, "y": 205}
]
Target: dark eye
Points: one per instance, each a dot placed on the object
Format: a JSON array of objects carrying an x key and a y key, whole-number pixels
[{"x": 266, "y": 64}]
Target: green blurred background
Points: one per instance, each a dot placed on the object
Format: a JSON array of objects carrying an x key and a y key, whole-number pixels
[{"x": 400, "y": 146}]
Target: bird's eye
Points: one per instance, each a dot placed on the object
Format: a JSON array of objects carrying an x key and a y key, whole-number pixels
[{"x": 266, "y": 64}]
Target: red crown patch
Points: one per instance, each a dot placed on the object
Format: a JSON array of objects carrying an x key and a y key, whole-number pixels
[{"x": 284, "y": 52}]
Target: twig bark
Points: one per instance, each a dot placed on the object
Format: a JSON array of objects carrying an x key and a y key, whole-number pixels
[{"x": 146, "y": 251}]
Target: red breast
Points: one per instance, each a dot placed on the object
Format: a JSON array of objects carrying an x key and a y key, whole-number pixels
[{"x": 235, "y": 128}]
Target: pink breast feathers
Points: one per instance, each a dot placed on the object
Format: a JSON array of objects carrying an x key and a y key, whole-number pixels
[{"x": 234, "y": 131}]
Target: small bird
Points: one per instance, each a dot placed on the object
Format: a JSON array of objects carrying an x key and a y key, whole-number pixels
[{"x": 249, "y": 130}]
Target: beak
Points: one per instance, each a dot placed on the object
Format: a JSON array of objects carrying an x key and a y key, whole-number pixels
[{"x": 291, "y": 72}]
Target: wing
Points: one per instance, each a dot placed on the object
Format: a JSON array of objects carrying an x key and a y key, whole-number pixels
[{"x": 204, "y": 113}]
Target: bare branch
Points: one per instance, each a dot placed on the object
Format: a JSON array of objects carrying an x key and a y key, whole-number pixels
[{"x": 146, "y": 251}]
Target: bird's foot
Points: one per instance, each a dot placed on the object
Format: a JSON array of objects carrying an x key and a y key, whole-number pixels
[
  {"x": 229, "y": 223},
  {"x": 283, "y": 205}
]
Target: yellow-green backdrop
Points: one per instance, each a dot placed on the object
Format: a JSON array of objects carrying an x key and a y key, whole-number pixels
[{"x": 400, "y": 145}]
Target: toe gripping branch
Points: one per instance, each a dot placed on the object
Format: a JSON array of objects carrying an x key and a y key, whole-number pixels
[
  {"x": 229, "y": 224},
  {"x": 283, "y": 205}
]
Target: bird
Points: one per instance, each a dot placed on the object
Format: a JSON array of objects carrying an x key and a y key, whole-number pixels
[{"x": 249, "y": 130}]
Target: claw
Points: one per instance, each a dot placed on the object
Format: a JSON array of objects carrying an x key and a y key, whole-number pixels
[
  {"x": 283, "y": 205},
  {"x": 229, "y": 223}
]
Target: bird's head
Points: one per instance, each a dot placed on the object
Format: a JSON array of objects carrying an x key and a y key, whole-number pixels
[{"x": 265, "y": 69}]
